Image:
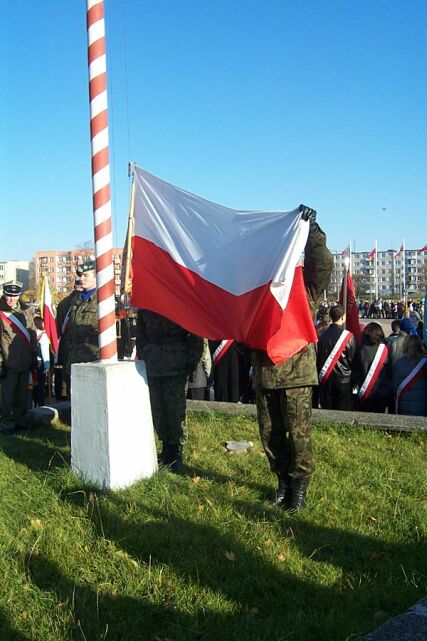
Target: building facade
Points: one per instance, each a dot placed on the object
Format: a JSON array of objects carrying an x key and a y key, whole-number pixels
[
  {"x": 60, "y": 267},
  {"x": 15, "y": 270},
  {"x": 390, "y": 273}
]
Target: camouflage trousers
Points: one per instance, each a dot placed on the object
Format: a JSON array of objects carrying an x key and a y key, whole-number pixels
[
  {"x": 168, "y": 407},
  {"x": 284, "y": 418}
]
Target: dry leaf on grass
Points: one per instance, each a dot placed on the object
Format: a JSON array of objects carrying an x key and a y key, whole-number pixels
[{"x": 230, "y": 556}]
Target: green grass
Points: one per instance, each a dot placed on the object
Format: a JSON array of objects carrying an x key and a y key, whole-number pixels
[{"x": 203, "y": 556}]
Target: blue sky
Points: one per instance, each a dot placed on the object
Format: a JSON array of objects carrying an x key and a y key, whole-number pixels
[{"x": 253, "y": 104}]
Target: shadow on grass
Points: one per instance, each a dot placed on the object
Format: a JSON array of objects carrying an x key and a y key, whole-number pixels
[
  {"x": 7, "y": 632},
  {"x": 343, "y": 578},
  {"x": 38, "y": 449},
  {"x": 269, "y": 600}
]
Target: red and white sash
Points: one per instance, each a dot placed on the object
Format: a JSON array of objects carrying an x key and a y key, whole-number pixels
[
  {"x": 333, "y": 357},
  {"x": 220, "y": 351},
  {"x": 374, "y": 372},
  {"x": 407, "y": 383},
  {"x": 19, "y": 328}
]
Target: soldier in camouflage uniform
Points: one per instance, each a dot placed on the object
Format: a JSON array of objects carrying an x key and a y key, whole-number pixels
[
  {"x": 284, "y": 391},
  {"x": 171, "y": 354},
  {"x": 83, "y": 319}
]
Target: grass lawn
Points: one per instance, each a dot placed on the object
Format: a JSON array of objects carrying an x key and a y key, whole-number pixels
[{"x": 204, "y": 556}]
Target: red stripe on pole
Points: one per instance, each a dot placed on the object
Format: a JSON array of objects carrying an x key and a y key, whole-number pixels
[
  {"x": 102, "y": 230},
  {"x": 98, "y": 123},
  {"x": 101, "y": 197},
  {"x": 97, "y": 85},
  {"x": 96, "y": 50},
  {"x": 95, "y": 13},
  {"x": 100, "y": 160}
]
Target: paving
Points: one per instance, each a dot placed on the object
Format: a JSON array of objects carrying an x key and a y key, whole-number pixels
[{"x": 411, "y": 626}]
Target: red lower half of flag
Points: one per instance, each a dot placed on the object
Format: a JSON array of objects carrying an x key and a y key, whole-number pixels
[
  {"x": 50, "y": 328},
  {"x": 254, "y": 318}
]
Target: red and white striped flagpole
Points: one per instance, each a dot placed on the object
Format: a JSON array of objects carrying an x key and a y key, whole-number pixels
[{"x": 101, "y": 180}]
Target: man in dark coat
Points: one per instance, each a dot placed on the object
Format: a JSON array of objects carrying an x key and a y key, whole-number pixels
[
  {"x": 284, "y": 392},
  {"x": 62, "y": 327},
  {"x": 18, "y": 356},
  {"x": 335, "y": 385},
  {"x": 170, "y": 354}
]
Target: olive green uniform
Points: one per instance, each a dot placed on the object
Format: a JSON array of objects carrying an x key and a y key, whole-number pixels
[
  {"x": 284, "y": 391},
  {"x": 16, "y": 359},
  {"x": 82, "y": 330},
  {"x": 170, "y": 354}
]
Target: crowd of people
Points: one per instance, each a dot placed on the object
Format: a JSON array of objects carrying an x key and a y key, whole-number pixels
[{"x": 380, "y": 374}]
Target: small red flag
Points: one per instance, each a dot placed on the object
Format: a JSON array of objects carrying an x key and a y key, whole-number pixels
[{"x": 352, "y": 311}]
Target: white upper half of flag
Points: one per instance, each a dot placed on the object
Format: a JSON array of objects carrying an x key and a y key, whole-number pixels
[
  {"x": 47, "y": 296},
  {"x": 235, "y": 250}
]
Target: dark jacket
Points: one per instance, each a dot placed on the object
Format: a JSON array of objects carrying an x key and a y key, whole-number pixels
[
  {"x": 365, "y": 354},
  {"x": 300, "y": 369},
  {"x": 83, "y": 330},
  {"x": 15, "y": 353},
  {"x": 166, "y": 348},
  {"x": 414, "y": 401},
  {"x": 341, "y": 374}
]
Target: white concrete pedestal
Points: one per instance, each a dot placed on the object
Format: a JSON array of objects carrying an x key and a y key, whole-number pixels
[{"x": 112, "y": 436}]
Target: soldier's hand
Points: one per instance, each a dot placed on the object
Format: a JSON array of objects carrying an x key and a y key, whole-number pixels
[{"x": 308, "y": 214}]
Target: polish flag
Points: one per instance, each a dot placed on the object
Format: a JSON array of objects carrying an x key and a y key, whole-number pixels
[
  {"x": 346, "y": 252},
  {"x": 352, "y": 311},
  {"x": 220, "y": 272},
  {"x": 397, "y": 254},
  {"x": 371, "y": 254},
  {"x": 423, "y": 249},
  {"x": 47, "y": 315}
]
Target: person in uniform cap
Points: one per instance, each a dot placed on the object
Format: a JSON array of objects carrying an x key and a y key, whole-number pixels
[
  {"x": 83, "y": 320},
  {"x": 284, "y": 392},
  {"x": 18, "y": 355}
]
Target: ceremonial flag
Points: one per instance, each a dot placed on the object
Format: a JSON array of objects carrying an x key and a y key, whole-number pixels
[
  {"x": 371, "y": 253},
  {"x": 46, "y": 310},
  {"x": 397, "y": 254},
  {"x": 352, "y": 311},
  {"x": 346, "y": 252},
  {"x": 220, "y": 272},
  {"x": 423, "y": 249}
]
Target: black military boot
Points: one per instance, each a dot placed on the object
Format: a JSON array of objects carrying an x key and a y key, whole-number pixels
[
  {"x": 163, "y": 457},
  {"x": 284, "y": 491},
  {"x": 175, "y": 462},
  {"x": 299, "y": 489}
]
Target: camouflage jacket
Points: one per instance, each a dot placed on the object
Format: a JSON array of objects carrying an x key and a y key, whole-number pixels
[
  {"x": 83, "y": 330},
  {"x": 61, "y": 313},
  {"x": 299, "y": 370},
  {"x": 166, "y": 348},
  {"x": 15, "y": 353}
]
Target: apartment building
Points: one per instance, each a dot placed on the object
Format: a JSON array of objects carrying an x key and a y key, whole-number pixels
[
  {"x": 390, "y": 275},
  {"x": 60, "y": 267},
  {"x": 15, "y": 270}
]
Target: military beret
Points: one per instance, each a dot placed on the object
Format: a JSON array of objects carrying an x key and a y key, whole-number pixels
[
  {"x": 12, "y": 288},
  {"x": 85, "y": 267}
]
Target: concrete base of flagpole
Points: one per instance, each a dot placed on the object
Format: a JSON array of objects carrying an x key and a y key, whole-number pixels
[{"x": 112, "y": 436}]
